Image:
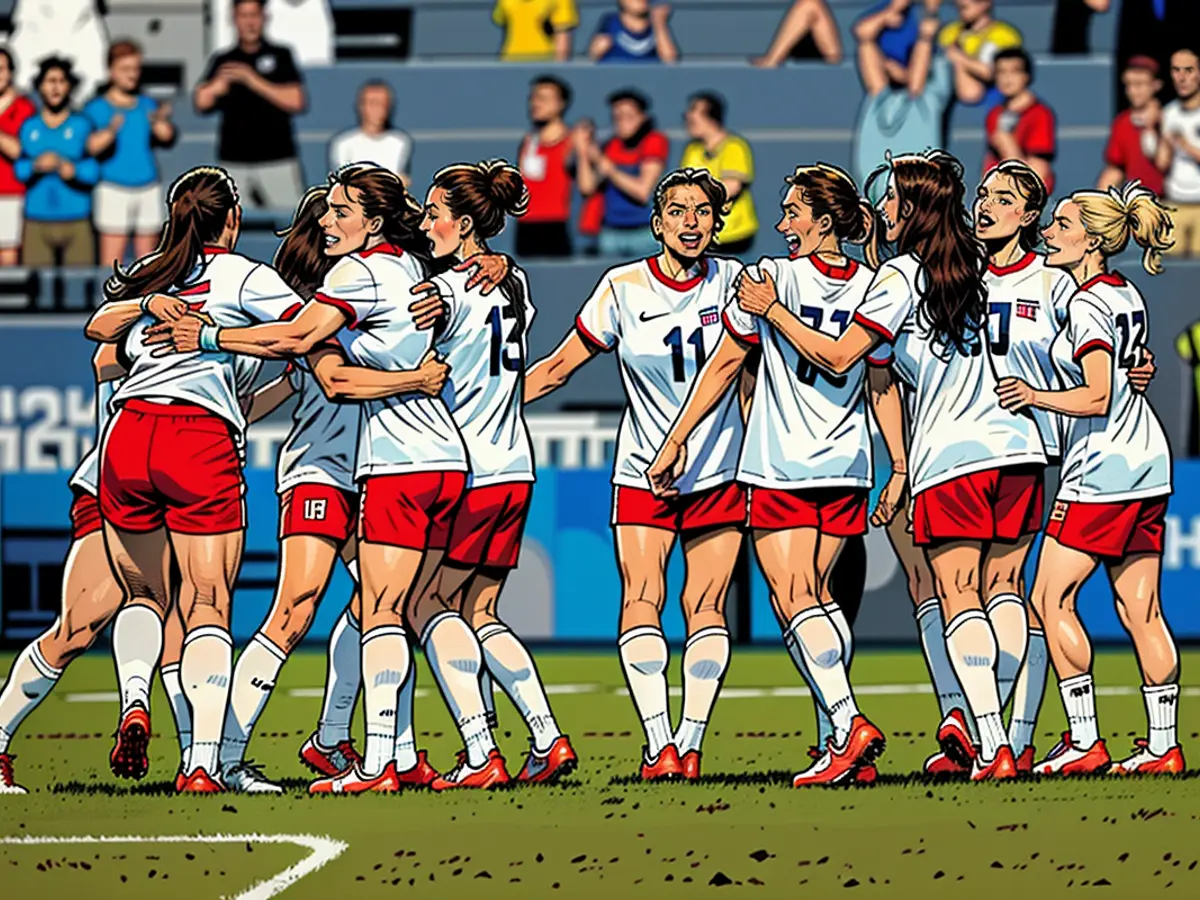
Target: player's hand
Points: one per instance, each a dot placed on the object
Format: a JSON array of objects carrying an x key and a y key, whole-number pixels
[
  {"x": 179, "y": 336},
  {"x": 1015, "y": 395},
  {"x": 891, "y": 501},
  {"x": 166, "y": 308},
  {"x": 1141, "y": 375},
  {"x": 433, "y": 371},
  {"x": 429, "y": 307},
  {"x": 757, "y": 297},
  {"x": 489, "y": 270},
  {"x": 667, "y": 468}
]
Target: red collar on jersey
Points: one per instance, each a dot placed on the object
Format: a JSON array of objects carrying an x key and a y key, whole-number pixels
[
  {"x": 385, "y": 247},
  {"x": 1022, "y": 263},
  {"x": 657, "y": 272},
  {"x": 1116, "y": 279},
  {"x": 211, "y": 250},
  {"x": 841, "y": 273}
]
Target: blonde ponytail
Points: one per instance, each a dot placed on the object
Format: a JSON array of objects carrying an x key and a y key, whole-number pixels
[{"x": 1114, "y": 216}]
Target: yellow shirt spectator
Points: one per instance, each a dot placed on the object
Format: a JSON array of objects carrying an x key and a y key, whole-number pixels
[
  {"x": 983, "y": 44},
  {"x": 732, "y": 156},
  {"x": 530, "y": 26}
]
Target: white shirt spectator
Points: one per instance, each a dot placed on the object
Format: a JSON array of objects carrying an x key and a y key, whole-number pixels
[
  {"x": 303, "y": 26},
  {"x": 1182, "y": 183},
  {"x": 392, "y": 149}
]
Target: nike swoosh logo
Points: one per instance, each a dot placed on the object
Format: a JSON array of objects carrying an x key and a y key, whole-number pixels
[{"x": 642, "y": 317}]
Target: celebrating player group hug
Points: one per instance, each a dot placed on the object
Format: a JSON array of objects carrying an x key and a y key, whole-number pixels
[{"x": 748, "y": 390}]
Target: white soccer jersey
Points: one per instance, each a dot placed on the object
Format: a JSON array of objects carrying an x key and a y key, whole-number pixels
[
  {"x": 957, "y": 425},
  {"x": 1123, "y": 455},
  {"x": 807, "y": 427},
  {"x": 231, "y": 291},
  {"x": 321, "y": 447},
  {"x": 86, "y": 477},
  {"x": 1027, "y": 305},
  {"x": 408, "y": 433},
  {"x": 485, "y": 345}
]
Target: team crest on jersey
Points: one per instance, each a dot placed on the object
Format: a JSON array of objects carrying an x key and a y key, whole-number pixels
[
  {"x": 710, "y": 315},
  {"x": 1027, "y": 310},
  {"x": 1059, "y": 513}
]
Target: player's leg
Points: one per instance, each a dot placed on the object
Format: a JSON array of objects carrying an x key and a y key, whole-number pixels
[
  {"x": 1003, "y": 577},
  {"x": 168, "y": 672},
  {"x": 1028, "y": 692}
]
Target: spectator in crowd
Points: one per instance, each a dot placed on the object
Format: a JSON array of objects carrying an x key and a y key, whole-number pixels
[
  {"x": 303, "y": 26},
  {"x": 728, "y": 157},
  {"x": 1133, "y": 141},
  {"x": 536, "y": 30},
  {"x": 58, "y": 175},
  {"x": 1022, "y": 126},
  {"x": 73, "y": 30},
  {"x": 971, "y": 44},
  {"x": 128, "y": 199},
  {"x": 15, "y": 108},
  {"x": 808, "y": 31},
  {"x": 625, "y": 172},
  {"x": 1152, "y": 28},
  {"x": 634, "y": 32},
  {"x": 1187, "y": 345},
  {"x": 257, "y": 89},
  {"x": 546, "y": 160},
  {"x": 904, "y": 110},
  {"x": 374, "y": 140},
  {"x": 1179, "y": 151}
]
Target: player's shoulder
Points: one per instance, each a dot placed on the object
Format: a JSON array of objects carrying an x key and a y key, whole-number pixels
[
  {"x": 906, "y": 265},
  {"x": 630, "y": 274},
  {"x": 724, "y": 268}
]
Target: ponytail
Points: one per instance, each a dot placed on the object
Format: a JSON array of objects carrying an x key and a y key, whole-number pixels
[
  {"x": 830, "y": 191},
  {"x": 488, "y": 192},
  {"x": 301, "y": 259},
  {"x": 1114, "y": 216}
]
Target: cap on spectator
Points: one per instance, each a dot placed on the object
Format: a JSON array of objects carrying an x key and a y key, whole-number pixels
[{"x": 1145, "y": 63}]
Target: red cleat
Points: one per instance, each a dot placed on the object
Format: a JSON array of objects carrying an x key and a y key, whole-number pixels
[
  {"x": 941, "y": 765},
  {"x": 954, "y": 738},
  {"x": 555, "y": 763},
  {"x": 129, "y": 757},
  {"x": 329, "y": 761},
  {"x": 8, "y": 784},
  {"x": 492, "y": 774},
  {"x": 180, "y": 781},
  {"x": 690, "y": 764},
  {"x": 665, "y": 767},
  {"x": 863, "y": 746},
  {"x": 353, "y": 781},
  {"x": 199, "y": 782},
  {"x": 419, "y": 776},
  {"x": 1001, "y": 768},
  {"x": 1143, "y": 762},
  {"x": 1067, "y": 758},
  {"x": 866, "y": 775},
  {"x": 1025, "y": 761}
]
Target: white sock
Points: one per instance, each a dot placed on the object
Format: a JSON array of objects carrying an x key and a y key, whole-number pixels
[
  {"x": 180, "y": 711},
  {"x": 137, "y": 638},
  {"x": 342, "y": 681},
  {"x": 405, "y": 748},
  {"x": 385, "y": 661},
  {"x": 511, "y": 665},
  {"x": 204, "y": 670},
  {"x": 821, "y": 648},
  {"x": 705, "y": 661},
  {"x": 644, "y": 657},
  {"x": 941, "y": 672},
  {"x": 488, "y": 690},
  {"x": 971, "y": 644},
  {"x": 1162, "y": 708},
  {"x": 842, "y": 624},
  {"x": 253, "y": 680},
  {"x": 29, "y": 681},
  {"x": 1027, "y": 695},
  {"x": 824, "y": 723},
  {"x": 1079, "y": 701},
  {"x": 453, "y": 653},
  {"x": 1010, "y": 624}
]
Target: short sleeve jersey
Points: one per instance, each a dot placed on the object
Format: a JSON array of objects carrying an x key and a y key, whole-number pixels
[
  {"x": 484, "y": 342},
  {"x": 1123, "y": 455},
  {"x": 406, "y": 433},
  {"x": 663, "y": 331},
  {"x": 957, "y": 425},
  {"x": 807, "y": 427},
  {"x": 321, "y": 447}
]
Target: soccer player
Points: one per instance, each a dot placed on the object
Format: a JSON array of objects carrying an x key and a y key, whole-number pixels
[
  {"x": 806, "y": 460},
  {"x": 1116, "y": 477},
  {"x": 663, "y": 317}
]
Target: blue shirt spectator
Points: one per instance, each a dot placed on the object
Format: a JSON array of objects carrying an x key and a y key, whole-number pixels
[
  {"x": 896, "y": 41},
  {"x": 131, "y": 162},
  {"x": 636, "y": 32},
  {"x": 45, "y": 148}
]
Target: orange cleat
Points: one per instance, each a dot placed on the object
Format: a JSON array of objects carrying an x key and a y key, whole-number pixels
[
  {"x": 1143, "y": 762},
  {"x": 555, "y": 763},
  {"x": 199, "y": 782},
  {"x": 129, "y": 757},
  {"x": 8, "y": 784},
  {"x": 354, "y": 781},
  {"x": 863, "y": 746},
  {"x": 954, "y": 738},
  {"x": 1002, "y": 767},
  {"x": 491, "y": 774},
  {"x": 420, "y": 775},
  {"x": 664, "y": 767},
  {"x": 941, "y": 765},
  {"x": 1067, "y": 758},
  {"x": 329, "y": 761},
  {"x": 1025, "y": 761},
  {"x": 690, "y": 764}
]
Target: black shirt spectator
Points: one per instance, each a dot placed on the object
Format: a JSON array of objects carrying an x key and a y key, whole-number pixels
[{"x": 253, "y": 129}]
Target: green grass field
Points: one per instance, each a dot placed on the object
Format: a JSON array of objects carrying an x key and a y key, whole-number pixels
[{"x": 600, "y": 833}]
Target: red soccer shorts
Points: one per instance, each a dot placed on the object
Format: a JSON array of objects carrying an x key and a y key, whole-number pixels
[
  {"x": 173, "y": 465},
  {"x": 413, "y": 510},
  {"x": 488, "y": 526},
  {"x": 1111, "y": 530},
  {"x": 994, "y": 505},
  {"x": 838, "y": 512},
  {"x": 85, "y": 516},
  {"x": 717, "y": 507},
  {"x": 318, "y": 509}
]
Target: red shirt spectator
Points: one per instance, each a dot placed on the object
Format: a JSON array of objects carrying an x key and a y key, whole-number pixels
[
  {"x": 1022, "y": 127},
  {"x": 1133, "y": 141},
  {"x": 15, "y": 108},
  {"x": 1126, "y": 152},
  {"x": 12, "y": 117},
  {"x": 546, "y": 158}
]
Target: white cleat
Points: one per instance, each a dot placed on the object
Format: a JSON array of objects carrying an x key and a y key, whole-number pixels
[
  {"x": 7, "y": 784},
  {"x": 246, "y": 778}
]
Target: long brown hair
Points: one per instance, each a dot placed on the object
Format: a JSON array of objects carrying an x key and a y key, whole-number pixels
[
  {"x": 953, "y": 303},
  {"x": 301, "y": 259},
  {"x": 381, "y": 193},
  {"x": 831, "y": 191},
  {"x": 199, "y": 202}
]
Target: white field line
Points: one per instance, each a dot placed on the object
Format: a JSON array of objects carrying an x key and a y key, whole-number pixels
[{"x": 323, "y": 850}]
